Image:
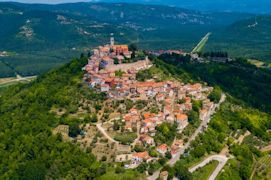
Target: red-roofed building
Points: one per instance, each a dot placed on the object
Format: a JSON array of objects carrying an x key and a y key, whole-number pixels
[
  {"x": 148, "y": 115},
  {"x": 160, "y": 97},
  {"x": 162, "y": 149},
  {"x": 134, "y": 111},
  {"x": 105, "y": 88},
  {"x": 140, "y": 156},
  {"x": 164, "y": 175},
  {"x": 182, "y": 121},
  {"x": 145, "y": 139}
]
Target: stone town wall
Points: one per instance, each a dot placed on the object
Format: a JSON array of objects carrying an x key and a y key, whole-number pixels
[{"x": 139, "y": 65}]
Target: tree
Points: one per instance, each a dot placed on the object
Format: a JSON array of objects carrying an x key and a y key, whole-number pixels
[
  {"x": 133, "y": 47},
  {"x": 33, "y": 170},
  {"x": 168, "y": 155},
  {"x": 215, "y": 95},
  {"x": 104, "y": 158},
  {"x": 116, "y": 61},
  {"x": 166, "y": 133},
  {"x": 119, "y": 73},
  {"x": 199, "y": 151},
  {"x": 82, "y": 55},
  {"x": 196, "y": 105},
  {"x": 143, "y": 75},
  {"x": 142, "y": 167},
  {"x": 181, "y": 172},
  {"x": 74, "y": 129},
  {"x": 193, "y": 116},
  {"x": 133, "y": 55},
  {"x": 116, "y": 126},
  {"x": 138, "y": 148},
  {"x": 94, "y": 118},
  {"x": 119, "y": 170},
  {"x": 89, "y": 54}
]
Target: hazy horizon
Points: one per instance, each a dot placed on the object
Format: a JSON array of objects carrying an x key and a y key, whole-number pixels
[{"x": 252, "y": 6}]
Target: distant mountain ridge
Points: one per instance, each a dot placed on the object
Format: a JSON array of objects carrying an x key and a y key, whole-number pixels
[
  {"x": 251, "y": 6},
  {"x": 45, "y": 36}
]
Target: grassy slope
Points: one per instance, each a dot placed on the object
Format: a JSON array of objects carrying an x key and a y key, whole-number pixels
[{"x": 205, "y": 172}]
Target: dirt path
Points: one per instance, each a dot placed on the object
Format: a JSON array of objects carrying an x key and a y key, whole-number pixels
[
  {"x": 266, "y": 148},
  {"x": 102, "y": 130}
]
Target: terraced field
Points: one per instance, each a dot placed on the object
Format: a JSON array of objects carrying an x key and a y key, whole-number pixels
[{"x": 263, "y": 168}]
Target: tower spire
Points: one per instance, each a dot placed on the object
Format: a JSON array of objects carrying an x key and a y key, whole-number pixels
[{"x": 112, "y": 40}]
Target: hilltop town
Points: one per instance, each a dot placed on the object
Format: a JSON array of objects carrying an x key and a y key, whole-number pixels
[{"x": 135, "y": 111}]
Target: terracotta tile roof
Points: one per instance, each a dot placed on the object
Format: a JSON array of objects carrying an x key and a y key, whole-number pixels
[
  {"x": 164, "y": 173},
  {"x": 107, "y": 58},
  {"x": 148, "y": 121},
  {"x": 145, "y": 137},
  {"x": 133, "y": 110},
  {"x": 148, "y": 115},
  {"x": 181, "y": 117},
  {"x": 187, "y": 99},
  {"x": 162, "y": 147},
  {"x": 143, "y": 155}
]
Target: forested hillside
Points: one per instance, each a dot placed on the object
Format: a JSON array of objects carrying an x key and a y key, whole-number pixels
[
  {"x": 247, "y": 109},
  {"x": 28, "y": 150},
  {"x": 41, "y": 37},
  {"x": 244, "y": 81},
  {"x": 248, "y": 38}
]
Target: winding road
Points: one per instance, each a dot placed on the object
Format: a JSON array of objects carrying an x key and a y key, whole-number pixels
[
  {"x": 200, "y": 129},
  {"x": 220, "y": 158}
]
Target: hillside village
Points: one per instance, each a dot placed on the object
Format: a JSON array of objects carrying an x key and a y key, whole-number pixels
[{"x": 134, "y": 109}]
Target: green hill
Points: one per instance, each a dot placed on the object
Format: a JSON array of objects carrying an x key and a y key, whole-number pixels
[
  {"x": 46, "y": 36},
  {"x": 249, "y": 38},
  {"x": 28, "y": 150}
]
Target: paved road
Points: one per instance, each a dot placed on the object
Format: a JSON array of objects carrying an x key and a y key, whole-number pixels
[
  {"x": 102, "y": 130},
  {"x": 266, "y": 148},
  {"x": 220, "y": 158},
  {"x": 200, "y": 129},
  {"x": 19, "y": 78}
]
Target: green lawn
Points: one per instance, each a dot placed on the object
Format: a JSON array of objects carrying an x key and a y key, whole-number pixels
[{"x": 205, "y": 172}]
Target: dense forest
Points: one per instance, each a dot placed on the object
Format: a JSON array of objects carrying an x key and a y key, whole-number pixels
[{"x": 28, "y": 150}]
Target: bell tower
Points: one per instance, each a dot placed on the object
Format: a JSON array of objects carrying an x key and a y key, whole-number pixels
[{"x": 112, "y": 40}]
